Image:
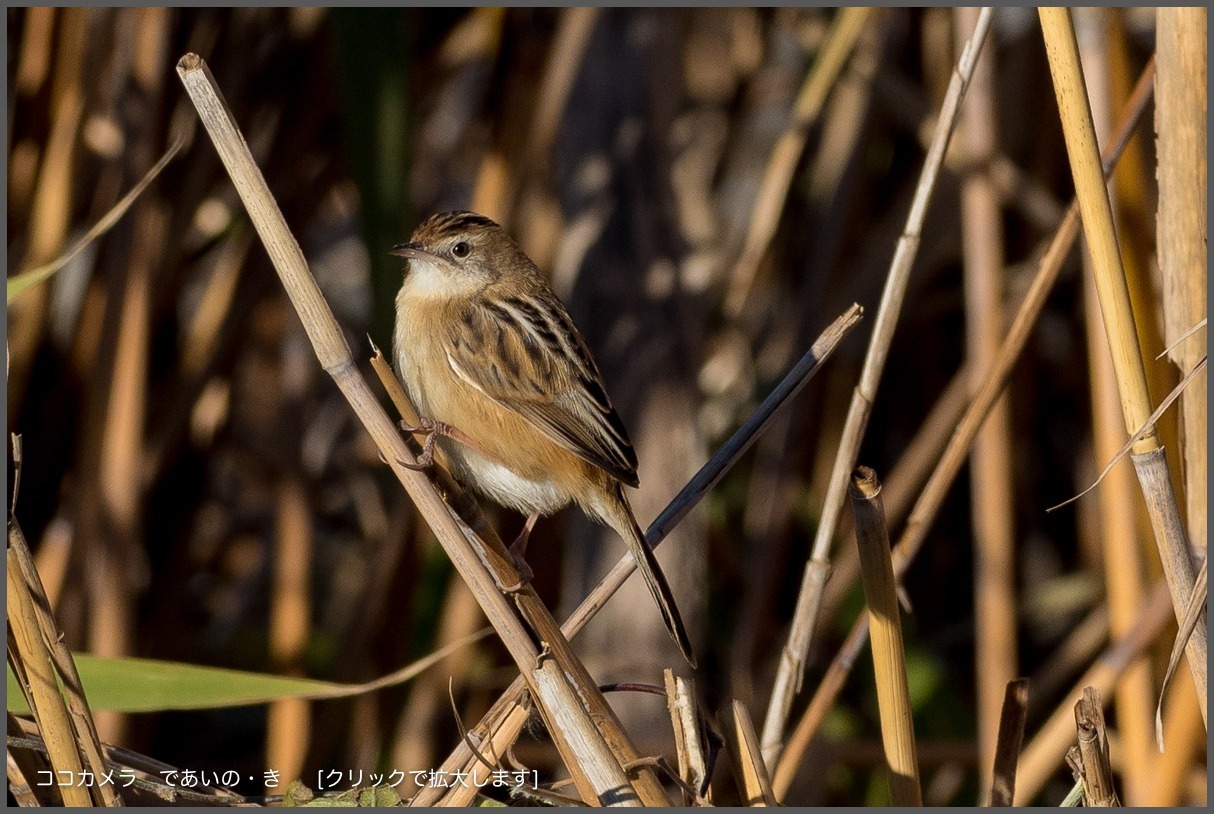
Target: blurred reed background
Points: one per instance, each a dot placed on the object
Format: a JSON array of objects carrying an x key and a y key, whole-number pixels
[{"x": 195, "y": 489}]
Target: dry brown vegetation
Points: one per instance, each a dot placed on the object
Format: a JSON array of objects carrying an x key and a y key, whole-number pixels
[{"x": 708, "y": 190}]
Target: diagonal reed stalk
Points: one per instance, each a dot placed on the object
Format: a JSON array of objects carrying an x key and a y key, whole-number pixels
[
  {"x": 505, "y": 719},
  {"x": 1149, "y": 456},
  {"x": 749, "y": 766},
  {"x": 809, "y": 601},
  {"x": 40, "y": 660},
  {"x": 593, "y": 746},
  {"x": 782, "y": 164}
]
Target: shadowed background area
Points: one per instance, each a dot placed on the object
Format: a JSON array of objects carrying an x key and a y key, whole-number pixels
[{"x": 195, "y": 488}]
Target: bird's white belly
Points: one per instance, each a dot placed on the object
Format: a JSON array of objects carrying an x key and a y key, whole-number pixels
[{"x": 504, "y": 486}]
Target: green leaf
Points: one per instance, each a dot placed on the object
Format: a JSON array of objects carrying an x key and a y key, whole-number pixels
[
  {"x": 148, "y": 685},
  {"x": 20, "y": 283}
]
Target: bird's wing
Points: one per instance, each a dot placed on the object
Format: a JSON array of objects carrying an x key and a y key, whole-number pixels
[{"x": 526, "y": 355}]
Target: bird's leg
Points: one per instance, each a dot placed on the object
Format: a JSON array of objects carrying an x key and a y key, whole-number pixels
[
  {"x": 519, "y": 547},
  {"x": 431, "y": 429}
]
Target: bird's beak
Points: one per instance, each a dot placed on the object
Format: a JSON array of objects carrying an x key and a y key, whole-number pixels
[{"x": 413, "y": 251}]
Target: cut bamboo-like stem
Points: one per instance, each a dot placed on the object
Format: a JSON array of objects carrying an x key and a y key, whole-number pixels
[
  {"x": 1062, "y": 50},
  {"x": 753, "y": 780},
  {"x": 597, "y": 772},
  {"x": 1007, "y": 744},
  {"x": 1044, "y": 752},
  {"x": 792, "y": 658},
  {"x": 903, "y": 483},
  {"x": 1094, "y": 750},
  {"x": 889, "y": 654},
  {"x": 686, "y": 722}
]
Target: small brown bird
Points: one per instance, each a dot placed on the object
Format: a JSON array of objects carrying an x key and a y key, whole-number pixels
[{"x": 490, "y": 357}]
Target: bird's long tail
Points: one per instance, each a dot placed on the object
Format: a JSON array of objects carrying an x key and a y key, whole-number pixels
[{"x": 627, "y": 527}]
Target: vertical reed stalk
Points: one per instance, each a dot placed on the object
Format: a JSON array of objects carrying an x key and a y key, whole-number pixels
[
  {"x": 1180, "y": 124},
  {"x": 1094, "y": 750},
  {"x": 1150, "y": 459},
  {"x": 1116, "y": 521},
  {"x": 889, "y": 654},
  {"x": 289, "y": 721},
  {"x": 1007, "y": 747},
  {"x": 991, "y": 476}
]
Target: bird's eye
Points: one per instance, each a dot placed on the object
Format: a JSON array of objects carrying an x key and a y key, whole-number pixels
[{"x": 461, "y": 249}]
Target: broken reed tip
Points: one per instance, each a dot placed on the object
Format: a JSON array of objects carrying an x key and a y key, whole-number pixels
[
  {"x": 189, "y": 63},
  {"x": 864, "y": 483}
]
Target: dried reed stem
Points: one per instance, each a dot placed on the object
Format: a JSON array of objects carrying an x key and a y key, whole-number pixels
[
  {"x": 828, "y": 690},
  {"x": 991, "y": 477},
  {"x": 689, "y": 737},
  {"x": 1150, "y": 459},
  {"x": 889, "y": 654},
  {"x": 1180, "y": 122},
  {"x": 1007, "y": 745},
  {"x": 1186, "y": 745},
  {"x": 289, "y": 720},
  {"x": 1193, "y": 613},
  {"x": 1114, "y": 527},
  {"x": 782, "y": 164},
  {"x": 1041, "y": 757},
  {"x": 749, "y": 768},
  {"x": 585, "y": 749},
  {"x": 1094, "y": 750},
  {"x": 792, "y": 659},
  {"x": 33, "y": 665},
  {"x": 899, "y": 489},
  {"x": 941, "y": 480},
  {"x": 505, "y": 719}
]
